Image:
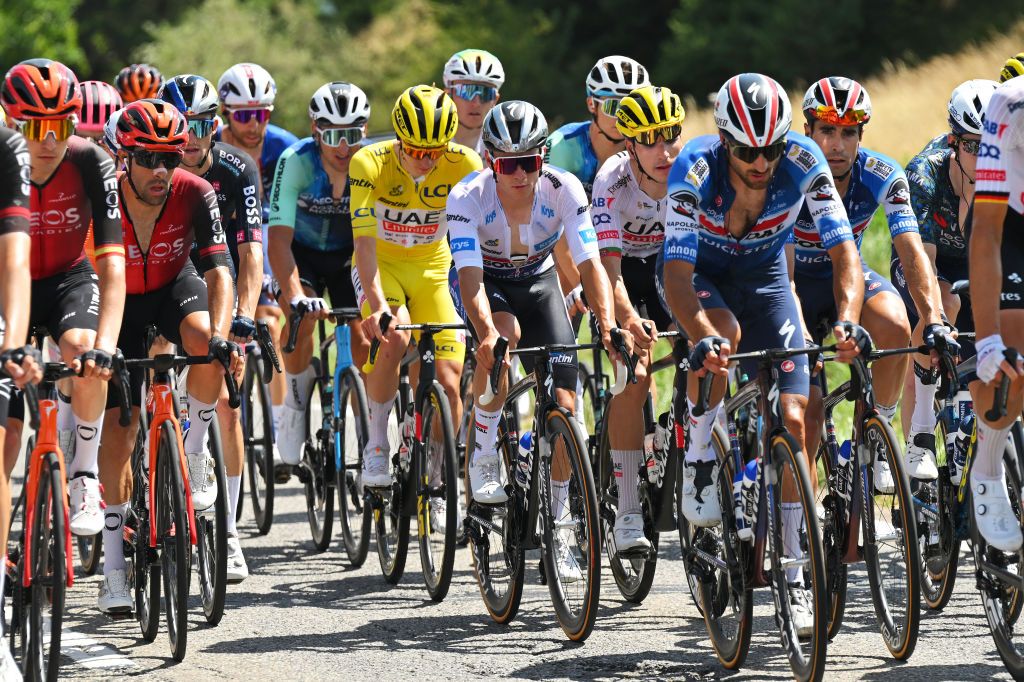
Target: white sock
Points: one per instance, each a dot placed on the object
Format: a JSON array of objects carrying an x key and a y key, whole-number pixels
[
  {"x": 486, "y": 430},
  {"x": 991, "y": 444},
  {"x": 200, "y": 415},
  {"x": 379, "y": 423},
  {"x": 923, "y": 419},
  {"x": 792, "y": 521},
  {"x": 627, "y": 463},
  {"x": 87, "y": 446},
  {"x": 234, "y": 488},
  {"x": 887, "y": 411},
  {"x": 699, "y": 448},
  {"x": 298, "y": 387},
  {"x": 65, "y": 417},
  {"x": 559, "y": 499},
  {"x": 276, "y": 410},
  {"x": 113, "y": 538}
]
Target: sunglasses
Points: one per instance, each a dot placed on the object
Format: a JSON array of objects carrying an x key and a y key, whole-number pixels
[
  {"x": 433, "y": 153},
  {"x": 37, "y": 129},
  {"x": 850, "y": 117},
  {"x": 468, "y": 91},
  {"x": 649, "y": 138},
  {"x": 749, "y": 154},
  {"x": 507, "y": 165},
  {"x": 201, "y": 127},
  {"x": 969, "y": 146},
  {"x": 152, "y": 160},
  {"x": 609, "y": 106},
  {"x": 246, "y": 115},
  {"x": 333, "y": 137}
]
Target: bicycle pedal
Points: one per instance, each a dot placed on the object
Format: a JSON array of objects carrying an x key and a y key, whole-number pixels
[
  {"x": 128, "y": 614},
  {"x": 282, "y": 472},
  {"x": 304, "y": 475}
]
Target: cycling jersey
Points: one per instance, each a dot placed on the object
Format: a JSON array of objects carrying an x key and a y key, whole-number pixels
[
  {"x": 875, "y": 180},
  {"x": 190, "y": 214},
  {"x": 302, "y": 198},
  {"x": 406, "y": 215},
  {"x": 82, "y": 189},
  {"x": 1000, "y": 169},
  {"x": 628, "y": 222},
  {"x": 700, "y": 194},
  {"x": 935, "y": 205},
  {"x": 481, "y": 236},
  {"x": 275, "y": 142},
  {"x": 236, "y": 181},
  {"x": 15, "y": 179},
  {"x": 569, "y": 148}
]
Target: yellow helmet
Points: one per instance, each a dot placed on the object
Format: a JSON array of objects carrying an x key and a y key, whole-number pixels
[
  {"x": 425, "y": 117},
  {"x": 1014, "y": 67},
  {"x": 648, "y": 108}
]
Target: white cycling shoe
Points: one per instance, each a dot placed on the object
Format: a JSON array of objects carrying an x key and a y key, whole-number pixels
[
  {"x": 994, "y": 516},
  {"x": 376, "y": 468},
  {"x": 291, "y": 435},
  {"x": 921, "y": 457},
  {"x": 203, "y": 479},
  {"x": 569, "y": 570},
  {"x": 485, "y": 479},
  {"x": 629, "y": 533},
  {"x": 884, "y": 482},
  {"x": 86, "y": 510},
  {"x": 800, "y": 608},
  {"x": 238, "y": 570},
  {"x": 700, "y": 494},
  {"x": 115, "y": 596}
]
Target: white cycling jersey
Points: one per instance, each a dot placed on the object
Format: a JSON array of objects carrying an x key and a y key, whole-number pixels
[
  {"x": 1000, "y": 169},
  {"x": 481, "y": 236},
  {"x": 628, "y": 222}
]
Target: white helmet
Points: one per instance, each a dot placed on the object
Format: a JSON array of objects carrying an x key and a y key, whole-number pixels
[
  {"x": 514, "y": 126},
  {"x": 246, "y": 86},
  {"x": 339, "y": 103},
  {"x": 190, "y": 94},
  {"x": 110, "y": 132},
  {"x": 967, "y": 105},
  {"x": 616, "y": 76},
  {"x": 474, "y": 65},
  {"x": 753, "y": 110}
]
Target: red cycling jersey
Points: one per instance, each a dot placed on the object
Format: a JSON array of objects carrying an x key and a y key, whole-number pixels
[
  {"x": 190, "y": 213},
  {"x": 81, "y": 191},
  {"x": 15, "y": 173}
]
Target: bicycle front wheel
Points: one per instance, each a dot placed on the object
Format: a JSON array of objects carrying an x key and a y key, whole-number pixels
[
  {"x": 173, "y": 539},
  {"x": 350, "y": 439},
  {"x": 258, "y": 434},
  {"x": 212, "y": 538},
  {"x": 44, "y": 617},
  {"x": 833, "y": 529},
  {"x": 390, "y": 520},
  {"x": 317, "y": 468},
  {"x": 437, "y": 502}
]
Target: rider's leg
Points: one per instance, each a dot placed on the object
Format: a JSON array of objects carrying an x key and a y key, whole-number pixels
[
  {"x": 626, "y": 435},
  {"x": 484, "y": 466},
  {"x": 299, "y": 376},
  {"x": 87, "y": 400}
]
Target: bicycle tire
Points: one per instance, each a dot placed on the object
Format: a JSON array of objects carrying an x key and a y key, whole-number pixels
[
  {"x": 833, "y": 539},
  {"x": 437, "y": 574},
  {"x": 939, "y": 561},
  {"x": 145, "y": 565},
  {"x": 576, "y": 623},
  {"x": 90, "y": 551},
  {"x": 212, "y": 538},
  {"x": 391, "y": 523},
  {"x": 258, "y": 434},
  {"x": 318, "y": 456},
  {"x": 48, "y": 574},
  {"x": 353, "y": 511},
  {"x": 173, "y": 540}
]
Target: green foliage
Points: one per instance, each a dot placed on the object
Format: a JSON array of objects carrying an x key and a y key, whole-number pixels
[{"x": 39, "y": 28}]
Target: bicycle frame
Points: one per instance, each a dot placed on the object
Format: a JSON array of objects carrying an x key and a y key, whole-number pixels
[
  {"x": 165, "y": 409},
  {"x": 342, "y": 364}
]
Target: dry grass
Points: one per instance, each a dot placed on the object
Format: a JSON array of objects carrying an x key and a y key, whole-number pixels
[{"x": 910, "y": 103}]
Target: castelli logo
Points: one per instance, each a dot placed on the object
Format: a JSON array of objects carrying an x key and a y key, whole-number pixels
[{"x": 788, "y": 366}]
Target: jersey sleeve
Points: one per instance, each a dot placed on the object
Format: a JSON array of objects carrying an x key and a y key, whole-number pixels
[
  {"x": 892, "y": 192},
  {"x": 921, "y": 181},
  {"x": 15, "y": 173},
  {"x": 249, "y": 210},
  {"x": 362, "y": 177},
  {"x": 463, "y": 216},
  {"x": 1003, "y": 131},
  {"x": 576, "y": 220},
  {"x": 609, "y": 230},
  {"x": 821, "y": 198},
  {"x": 682, "y": 229},
  {"x": 560, "y": 154},
  {"x": 99, "y": 179},
  {"x": 207, "y": 229},
  {"x": 284, "y": 194}
]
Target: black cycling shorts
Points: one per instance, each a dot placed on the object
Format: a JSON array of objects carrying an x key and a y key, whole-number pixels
[
  {"x": 329, "y": 271},
  {"x": 67, "y": 300},
  {"x": 639, "y": 275},
  {"x": 1012, "y": 252}
]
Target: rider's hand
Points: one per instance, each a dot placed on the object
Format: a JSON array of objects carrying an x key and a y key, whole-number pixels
[
  {"x": 371, "y": 326},
  {"x": 95, "y": 364},
  {"x": 938, "y": 337},
  {"x": 311, "y": 307},
  {"x": 227, "y": 353},
  {"x": 644, "y": 332},
  {"x": 815, "y": 361},
  {"x": 243, "y": 329},
  {"x": 609, "y": 346},
  {"x": 24, "y": 365},
  {"x": 851, "y": 340},
  {"x": 485, "y": 352},
  {"x": 574, "y": 302},
  {"x": 711, "y": 354},
  {"x": 991, "y": 360}
]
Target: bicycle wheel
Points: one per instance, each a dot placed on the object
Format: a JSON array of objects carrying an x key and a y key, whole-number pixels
[
  {"x": 891, "y": 550},
  {"x": 212, "y": 538},
  {"x": 144, "y": 567},
  {"x": 44, "y": 617},
  {"x": 437, "y": 502},
  {"x": 258, "y": 434},
  {"x": 391, "y": 523},
  {"x": 938, "y": 530},
  {"x": 833, "y": 536},
  {"x": 318, "y": 463},
  {"x": 173, "y": 539},
  {"x": 806, "y": 656},
  {"x": 572, "y": 550},
  {"x": 90, "y": 551},
  {"x": 351, "y": 433}
]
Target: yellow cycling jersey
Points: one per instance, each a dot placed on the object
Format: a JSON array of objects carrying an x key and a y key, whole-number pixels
[{"x": 408, "y": 218}]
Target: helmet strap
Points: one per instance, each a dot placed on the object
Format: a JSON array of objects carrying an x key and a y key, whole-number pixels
[
  {"x": 613, "y": 140},
  {"x": 640, "y": 166},
  {"x": 963, "y": 174},
  {"x": 131, "y": 183}
]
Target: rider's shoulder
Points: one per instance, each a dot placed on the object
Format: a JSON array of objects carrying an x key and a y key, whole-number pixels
[
  {"x": 569, "y": 131},
  {"x": 559, "y": 179},
  {"x": 82, "y": 152},
  {"x": 875, "y": 168},
  {"x": 803, "y": 155},
  {"x": 614, "y": 172},
  {"x": 186, "y": 185},
  {"x": 279, "y": 139},
  {"x": 230, "y": 155}
]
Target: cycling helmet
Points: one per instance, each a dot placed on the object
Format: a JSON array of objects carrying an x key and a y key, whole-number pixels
[
  {"x": 99, "y": 101},
  {"x": 752, "y": 109},
  {"x": 514, "y": 126},
  {"x": 616, "y": 76},
  {"x": 247, "y": 86},
  {"x": 41, "y": 88},
  {"x": 109, "y": 139},
  {"x": 837, "y": 101},
  {"x": 1013, "y": 67},
  {"x": 153, "y": 125},
  {"x": 138, "y": 81},
  {"x": 340, "y": 104},
  {"x": 967, "y": 105},
  {"x": 191, "y": 95},
  {"x": 648, "y": 108},
  {"x": 479, "y": 66},
  {"x": 425, "y": 116}
]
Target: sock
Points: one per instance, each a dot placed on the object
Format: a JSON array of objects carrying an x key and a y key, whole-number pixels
[
  {"x": 486, "y": 425},
  {"x": 580, "y": 417},
  {"x": 234, "y": 488},
  {"x": 275, "y": 410},
  {"x": 923, "y": 419},
  {"x": 792, "y": 520},
  {"x": 699, "y": 448},
  {"x": 627, "y": 463},
  {"x": 559, "y": 499},
  {"x": 887, "y": 411},
  {"x": 87, "y": 446},
  {"x": 200, "y": 415},
  {"x": 379, "y": 423},
  {"x": 113, "y": 538},
  {"x": 435, "y": 466},
  {"x": 65, "y": 417},
  {"x": 991, "y": 443},
  {"x": 298, "y": 387}
]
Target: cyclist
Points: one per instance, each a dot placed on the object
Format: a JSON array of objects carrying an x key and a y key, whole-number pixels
[
  {"x": 165, "y": 209},
  {"x": 509, "y": 287},
  {"x": 232, "y": 174},
  {"x": 1013, "y": 67},
  {"x": 941, "y": 190},
  {"x": 138, "y": 81},
  {"x": 72, "y": 183},
  {"x": 630, "y": 196},
  {"x": 99, "y": 101},
  {"x": 733, "y": 200},
  {"x": 996, "y": 259},
  {"x": 311, "y": 238},
  {"x": 836, "y": 110},
  {"x": 473, "y": 79},
  {"x": 399, "y": 192},
  {"x": 247, "y": 94}
]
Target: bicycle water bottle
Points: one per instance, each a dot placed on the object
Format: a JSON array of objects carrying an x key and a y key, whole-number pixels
[
  {"x": 843, "y": 470},
  {"x": 739, "y": 511},
  {"x": 961, "y": 443},
  {"x": 750, "y": 493},
  {"x": 524, "y": 460}
]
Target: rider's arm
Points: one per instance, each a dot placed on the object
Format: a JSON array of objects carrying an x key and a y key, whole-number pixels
[
  {"x": 100, "y": 185},
  {"x": 15, "y": 243},
  {"x": 213, "y": 261},
  {"x": 362, "y": 175},
  {"x": 894, "y": 195},
  {"x": 609, "y": 244},
  {"x": 284, "y": 202},
  {"x": 463, "y": 218},
  {"x": 249, "y": 235},
  {"x": 791, "y": 264}
]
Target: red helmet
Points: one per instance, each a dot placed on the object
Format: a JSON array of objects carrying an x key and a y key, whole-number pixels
[
  {"x": 99, "y": 101},
  {"x": 138, "y": 81},
  {"x": 153, "y": 125},
  {"x": 41, "y": 88}
]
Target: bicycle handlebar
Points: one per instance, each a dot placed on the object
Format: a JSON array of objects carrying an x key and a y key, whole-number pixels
[
  {"x": 164, "y": 363},
  {"x": 500, "y": 347},
  {"x": 385, "y": 322},
  {"x": 625, "y": 370},
  {"x": 296, "y": 317},
  {"x": 266, "y": 343}
]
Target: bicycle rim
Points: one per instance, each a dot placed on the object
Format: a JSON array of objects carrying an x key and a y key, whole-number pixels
[
  {"x": 391, "y": 523},
  {"x": 212, "y": 537},
  {"x": 90, "y": 549},
  {"x": 937, "y": 532},
  {"x": 173, "y": 540},
  {"x": 353, "y": 427},
  {"x": 319, "y": 474},
  {"x": 437, "y": 541},
  {"x": 833, "y": 537},
  {"x": 45, "y": 615},
  {"x": 259, "y": 445},
  {"x": 144, "y": 572}
]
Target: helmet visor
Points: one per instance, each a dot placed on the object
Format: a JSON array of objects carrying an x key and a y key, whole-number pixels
[
  {"x": 649, "y": 138},
  {"x": 433, "y": 153},
  {"x": 201, "y": 127},
  {"x": 243, "y": 116},
  {"x": 468, "y": 91},
  {"x": 38, "y": 129},
  {"x": 850, "y": 117},
  {"x": 152, "y": 160},
  {"x": 748, "y": 154},
  {"x": 507, "y": 165},
  {"x": 332, "y": 137},
  {"x": 609, "y": 105}
]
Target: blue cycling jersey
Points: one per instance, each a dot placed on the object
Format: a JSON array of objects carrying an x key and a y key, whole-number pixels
[
  {"x": 874, "y": 179},
  {"x": 700, "y": 195},
  {"x": 302, "y": 198},
  {"x": 275, "y": 142},
  {"x": 569, "y": 148}
]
